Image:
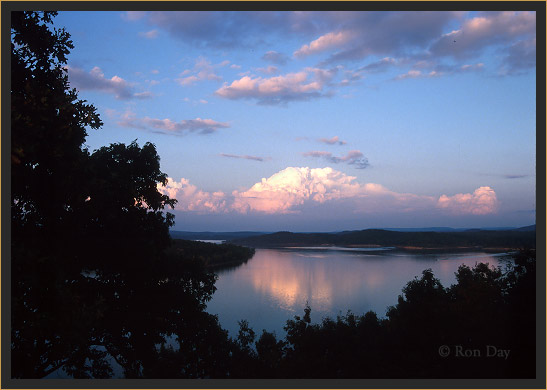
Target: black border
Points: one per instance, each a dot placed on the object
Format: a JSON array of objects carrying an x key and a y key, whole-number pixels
[{"x": 539, "y": 382}]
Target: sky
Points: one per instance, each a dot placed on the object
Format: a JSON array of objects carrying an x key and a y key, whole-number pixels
[{"x": 320, "y": 121}]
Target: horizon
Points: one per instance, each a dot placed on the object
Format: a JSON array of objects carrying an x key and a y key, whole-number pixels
[
  {"x": 368, "y": 228},
  {"x": 305, "y": 121}
]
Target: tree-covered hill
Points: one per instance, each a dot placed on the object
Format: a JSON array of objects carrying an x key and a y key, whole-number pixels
[{"x": 481, "y": 239}]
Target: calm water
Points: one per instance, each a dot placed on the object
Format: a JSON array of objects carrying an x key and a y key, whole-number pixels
[{"x": 276, "y": 284}]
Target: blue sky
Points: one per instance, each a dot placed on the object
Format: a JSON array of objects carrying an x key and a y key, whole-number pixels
[{"x": 320, "y": 121}]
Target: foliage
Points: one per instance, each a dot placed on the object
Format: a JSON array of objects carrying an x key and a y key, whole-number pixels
[
  {"x": 214, "y": 256},
  {"x": 485, "y": 311},
  {"x": 406, "y": 240},
  {"x": 92, "y": 278}
]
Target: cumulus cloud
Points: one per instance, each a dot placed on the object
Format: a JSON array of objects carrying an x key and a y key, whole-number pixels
[
  {"x": 190, "y": 198},
  {"x": 294, "y": 189},
  {"x": 203, "y": 70},
  {"x": 307, "y": 84},
  {"x": 332, "y": 141},
  {"x": 482, "y": 201},
  {"x": 245, "y": 157},
  {"x": 96, "y": 80},
  {"x": 354, "y": 157},
  {"x": 275, "y": 57},
  {"x": 324, "y": 42},
  {"x": 168, "y": 126}
]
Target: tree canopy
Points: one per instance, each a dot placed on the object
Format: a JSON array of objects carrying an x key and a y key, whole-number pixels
[{"x": 92, "y": 282}]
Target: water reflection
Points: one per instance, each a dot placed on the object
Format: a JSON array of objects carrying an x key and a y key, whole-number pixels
[{"x": 276, "y": 284}]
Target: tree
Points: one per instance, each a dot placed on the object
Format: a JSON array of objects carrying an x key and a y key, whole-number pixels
[{"x": 92, "y": 280}]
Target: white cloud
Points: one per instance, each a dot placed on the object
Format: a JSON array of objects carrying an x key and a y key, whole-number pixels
[{"x": 323, "y": 43}]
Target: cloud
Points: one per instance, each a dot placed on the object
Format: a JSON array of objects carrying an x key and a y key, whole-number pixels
[
  {"x": 486, "y": 29},
  {"x": 95, "y": 80},
  {"x": 234, "y": 66},
  {"x": 133, "y": 15},
  {"x": 168, "y": 126},
  {"x": 324, "y": 42},
  {"x": 515, "y": 176},
  {"x": 246, "y": 157},
  {"x": 521, "y": 56},
  {"x": 391, "y": 34},
  {"x": 143, "y": 95},
  {"x": 345, "y": 36},
  {"x": 354, "y": 157},
  {"x": 332, "y": 141},
  {"x": 379, "y": 66},
  {"x": 190, "y": 198},
  {"x": 268, "y": 70},
  {"x": 203, "y": 70},
  {"x": 482, "y": 201},
  {"x": 275, "y": 57},
  {"x": 295, "y": 190},
  {"x": 152, "y": 34},
  {"x": 303, "y": 85}
]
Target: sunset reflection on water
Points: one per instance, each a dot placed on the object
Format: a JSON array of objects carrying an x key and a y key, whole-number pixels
[{"x": 275, "y": 285}]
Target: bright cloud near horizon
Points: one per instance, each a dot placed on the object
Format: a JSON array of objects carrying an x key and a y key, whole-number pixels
[{"x": 320, "y": 121}]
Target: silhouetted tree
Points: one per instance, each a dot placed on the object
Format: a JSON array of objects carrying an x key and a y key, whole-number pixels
[{"x": 92, "y": 280}]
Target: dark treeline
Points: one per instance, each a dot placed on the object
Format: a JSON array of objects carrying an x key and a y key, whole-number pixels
[
  {"x": 481, "y": 327},
  {"x": 212, "y": 255},
  {"x": 478, "y": 239},
  {"x": 96, "y": 277}
]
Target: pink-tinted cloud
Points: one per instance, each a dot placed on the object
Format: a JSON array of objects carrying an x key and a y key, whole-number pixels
[
  {"x": 332, "y": 141},
  {"x": 486, "y": 29},
  {"x": 324, "y": 42},
  {"x": 294, "y": 190},
  {"x": 482, "y": 201},
  {"x": 304, "y": 85},
  {"x": 190, "y": 198}
]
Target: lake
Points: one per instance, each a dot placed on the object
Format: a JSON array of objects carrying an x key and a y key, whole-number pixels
[{"x": 275, "y": 284}]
